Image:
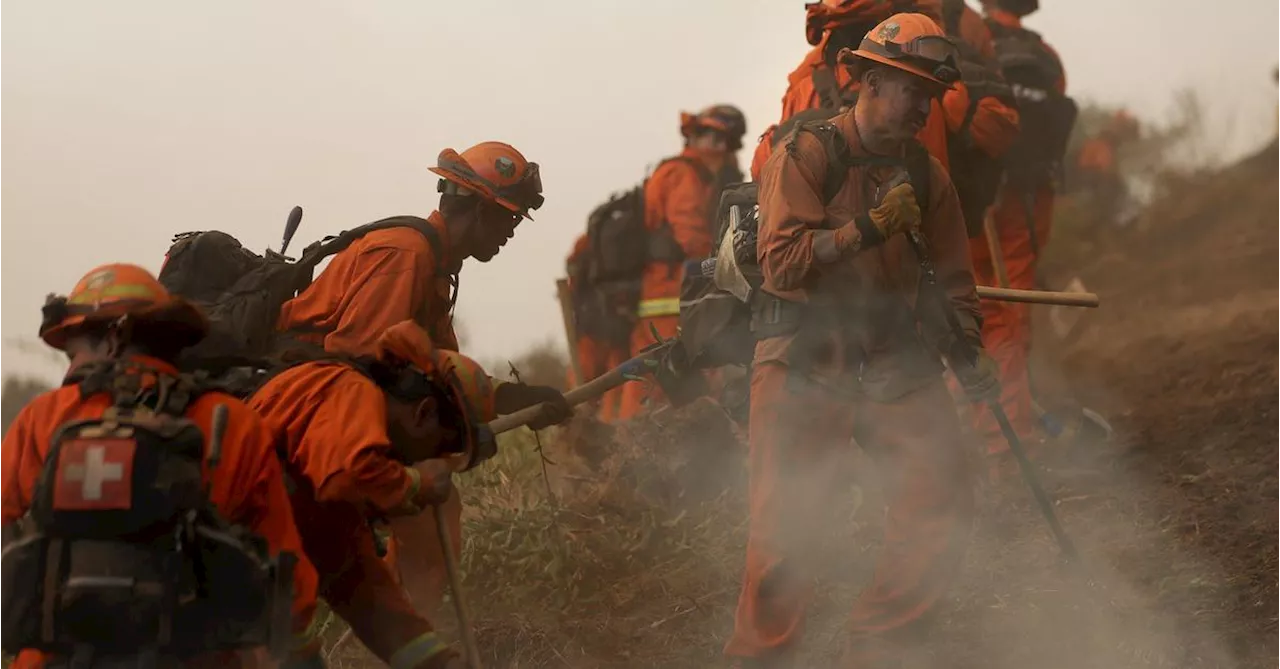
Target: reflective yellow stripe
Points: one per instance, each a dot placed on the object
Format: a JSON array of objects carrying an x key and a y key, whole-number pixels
[
  {"x": 417, "y": 651},
  {"x": 415, "y": 484},
  {"x": 113, "y": 291},
  {"x": 659, "y": 306}
]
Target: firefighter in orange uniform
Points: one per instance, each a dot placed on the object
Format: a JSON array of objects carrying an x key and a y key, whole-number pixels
[
  {"x": 677, "y": 204},
  {"x": 120, "y": 321},
  {"x": 399, "y": 274},
  {"x": 1022, "y": 215},
  {"x": 846, "y": 352},
  {"x": 982, "y": 124},
  {"x": 422, "y": 415},
  {"x": 1098, "y": 171}
]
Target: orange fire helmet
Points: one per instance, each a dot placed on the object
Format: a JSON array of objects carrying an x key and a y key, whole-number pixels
[
  {"x": 121, "y": 291},
  {"x": 494, "y": 171},
  {"x": 912, "y": 43},
  {"x": 467, "y": 382},
  {"x": 827, "y": 15},
  {"x": 732, "y": 117},
  {"x": 726, "y": 119}
]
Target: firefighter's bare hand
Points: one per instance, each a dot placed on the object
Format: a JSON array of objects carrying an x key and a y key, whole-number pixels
[
  {"x": 898, "y": 212},
  {"x": 980, "y": 379},
  {"x": 435, "y": 483}
]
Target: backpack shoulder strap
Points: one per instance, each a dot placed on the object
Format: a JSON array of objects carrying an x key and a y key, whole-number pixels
[
  {"x": 333, "y": 244},
  {"x": 171, "y": 394},
  {"x": 839, "y": 158}
]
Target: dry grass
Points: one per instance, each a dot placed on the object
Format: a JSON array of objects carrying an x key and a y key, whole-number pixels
[{"x": 643, "y": 533}]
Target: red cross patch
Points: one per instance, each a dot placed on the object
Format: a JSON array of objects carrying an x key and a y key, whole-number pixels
[{"x": 94, "y": 474}]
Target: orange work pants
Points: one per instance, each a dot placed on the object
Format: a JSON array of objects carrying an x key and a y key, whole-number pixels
[
  {"x": 417, "y": 557},
  {"x": 637, "y": 394},
  {"x": 799, "y": 436},
  {"x": 1006, "y": 326}
]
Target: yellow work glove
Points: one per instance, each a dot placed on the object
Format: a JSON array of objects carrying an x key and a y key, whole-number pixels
[{"x": 898, "y": 212}]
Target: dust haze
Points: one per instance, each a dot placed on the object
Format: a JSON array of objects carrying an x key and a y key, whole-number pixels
[{"x": 125, "y": 123}]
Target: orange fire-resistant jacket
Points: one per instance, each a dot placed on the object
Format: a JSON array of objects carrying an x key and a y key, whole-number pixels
[
  {"x": 247, "y": 487},
  {"x": 676, "y": 197},
  {"x": 994, "y": 125},
  {"x": 385, "y": 277},
  {"x": 331, "y": 423},
  {"x": 885, "y": 280}
]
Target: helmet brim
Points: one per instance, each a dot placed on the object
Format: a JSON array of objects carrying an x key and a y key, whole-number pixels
[
  {"x": 860, "y": 59},
  {"x": 182, "y": 322}
]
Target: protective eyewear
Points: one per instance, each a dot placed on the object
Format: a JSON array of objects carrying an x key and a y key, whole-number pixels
[
  {"x": 527, "y": 191},
  {"x": 934, "y": 53}
]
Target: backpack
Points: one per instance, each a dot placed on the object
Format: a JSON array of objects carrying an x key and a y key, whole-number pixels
[
  {"x": 975, "y": 174},
  {"x": 242, "y": 292},
  {"x": 1045, "y": 116},
  {"x": 122, "y": 555},
  {"x": 619, "y": 248},
  {"x": 718, "y": 325}
]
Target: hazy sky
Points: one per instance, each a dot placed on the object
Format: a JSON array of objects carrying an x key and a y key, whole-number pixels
[{"x": 125, "y": 122}]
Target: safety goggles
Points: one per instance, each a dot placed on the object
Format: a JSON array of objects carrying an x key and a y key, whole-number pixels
[{"x": 933, "y": 53}]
